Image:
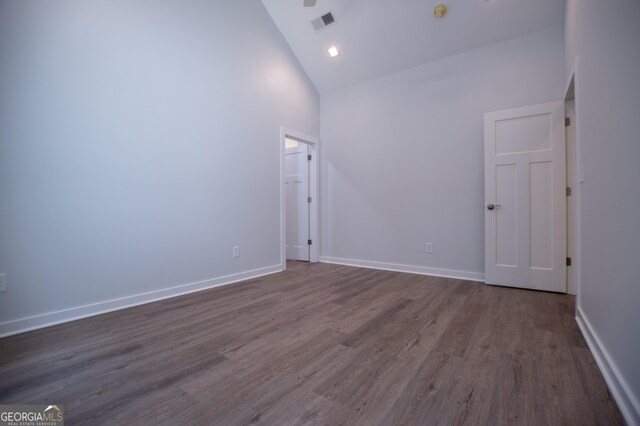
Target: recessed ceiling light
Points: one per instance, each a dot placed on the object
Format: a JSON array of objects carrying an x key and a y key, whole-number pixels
[{"x": 333, "y": 51}]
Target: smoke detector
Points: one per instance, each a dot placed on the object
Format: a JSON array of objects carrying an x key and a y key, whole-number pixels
[{"x": 440, "y": 10}]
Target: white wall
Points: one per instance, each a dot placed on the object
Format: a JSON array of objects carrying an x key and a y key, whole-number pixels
[
  {"x": 139, "y": 142},
  {"x": 402, "y": 155},
  {"x": 605, "y": 39}
]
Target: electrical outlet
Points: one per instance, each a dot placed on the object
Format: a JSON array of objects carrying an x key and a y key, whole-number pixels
[
  {"x": 236, "y": 251},
  {"x": 3, "y": 283},
  {"x": 428, "y": 247}
]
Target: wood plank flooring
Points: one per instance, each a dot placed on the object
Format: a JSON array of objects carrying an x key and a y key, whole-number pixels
[{"x": 319, "y": 344}]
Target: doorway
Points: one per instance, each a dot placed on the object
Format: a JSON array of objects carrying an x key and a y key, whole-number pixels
[{"x": 299, "y": 197}]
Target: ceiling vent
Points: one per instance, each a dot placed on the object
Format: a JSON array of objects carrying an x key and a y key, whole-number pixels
[{"x": 323, "y": 22}]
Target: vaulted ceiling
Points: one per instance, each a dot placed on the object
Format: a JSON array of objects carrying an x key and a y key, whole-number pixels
[{"x": 378, "y": 37}]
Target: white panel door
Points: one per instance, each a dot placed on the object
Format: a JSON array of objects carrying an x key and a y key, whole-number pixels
[
  {"x": 297, "y": 201},
  {"x": 525, "y": 205}
]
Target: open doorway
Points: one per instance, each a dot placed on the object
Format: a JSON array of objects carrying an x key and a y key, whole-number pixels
[{"x": 299, "y": 197}]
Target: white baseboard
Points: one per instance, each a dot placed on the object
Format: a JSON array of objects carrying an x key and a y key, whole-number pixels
[
  {"x": 22, "y": 325},
  {"x": 627, "y": 402},
  {"x": 422, "y": 270}
]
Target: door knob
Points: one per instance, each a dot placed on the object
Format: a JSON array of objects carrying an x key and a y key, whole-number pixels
[{"x": 492, "y": 206}]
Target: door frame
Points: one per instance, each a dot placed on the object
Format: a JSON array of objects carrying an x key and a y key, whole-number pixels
[
  {"x": 570, "y": 95},
  {"x": 314, "y": 193}
]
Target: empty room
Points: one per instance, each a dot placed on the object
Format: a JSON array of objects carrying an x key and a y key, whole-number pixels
[{"x": 330, "y": 212}]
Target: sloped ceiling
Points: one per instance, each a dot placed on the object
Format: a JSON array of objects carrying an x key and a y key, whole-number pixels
[{"x": 378, "y": 37}]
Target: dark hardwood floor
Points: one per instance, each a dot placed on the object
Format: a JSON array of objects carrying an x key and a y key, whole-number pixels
[{"x": 319, "y": 344}]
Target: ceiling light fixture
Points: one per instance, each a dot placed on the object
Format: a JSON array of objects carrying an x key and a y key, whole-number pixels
[
  {"x": 333, "y": 51},
  {"x": 440, "y": 10}
]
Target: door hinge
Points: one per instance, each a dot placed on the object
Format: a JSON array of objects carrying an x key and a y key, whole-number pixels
[
  {"x": 308, "y": 199},
  {"x": 309, "y": 157},
  {"x": 568, "y": 191},
  {"x": 308, "y": 242},
  {"x": 567, "y": 121},
  {"x": 568, "y": 261}
]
